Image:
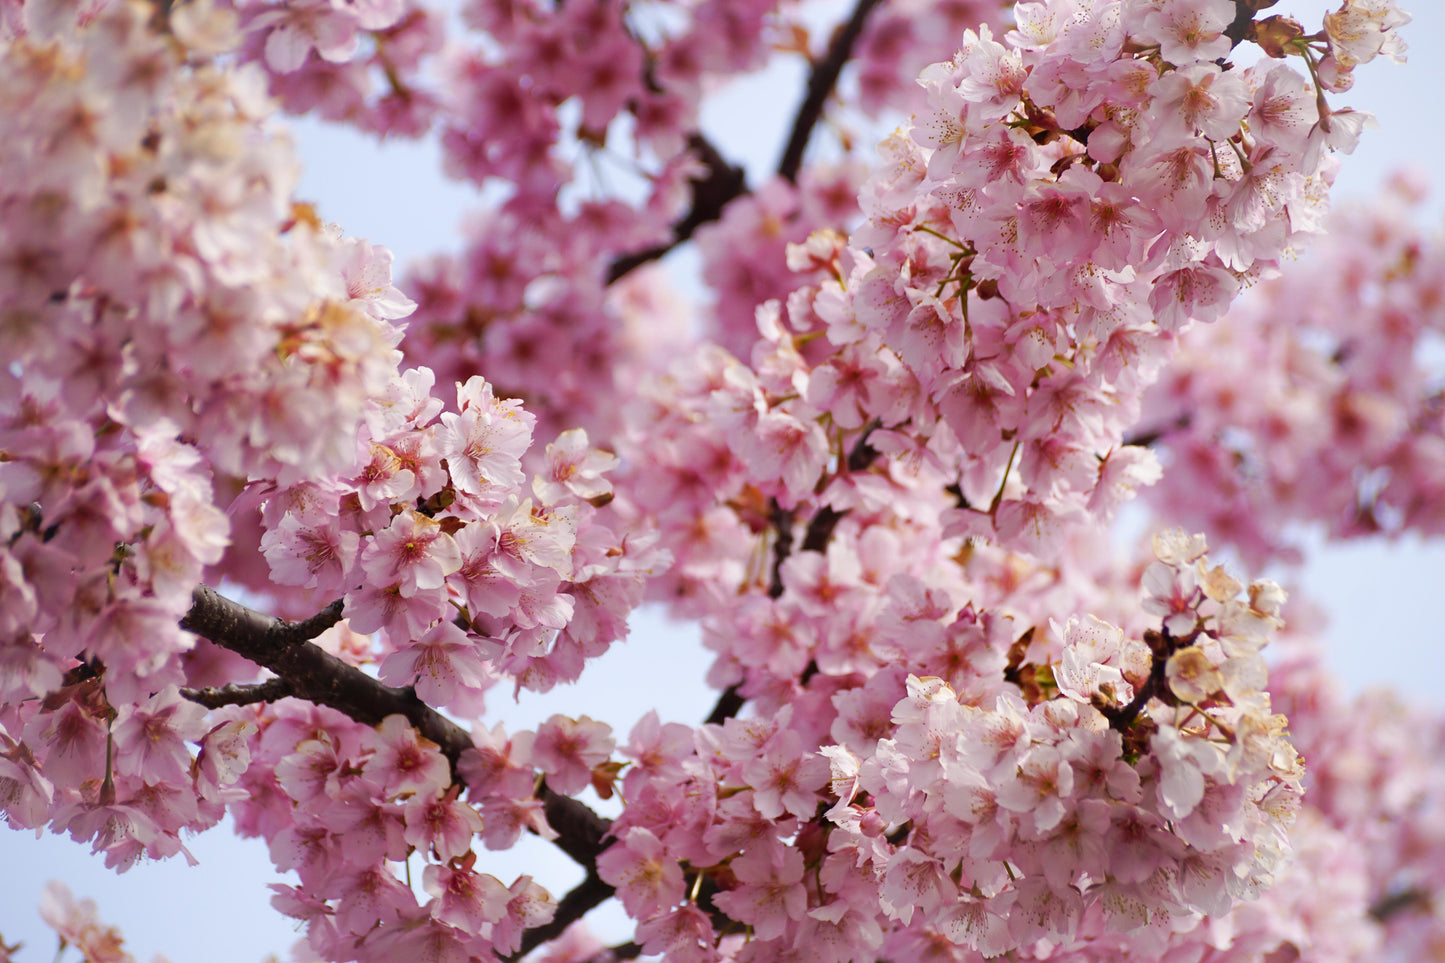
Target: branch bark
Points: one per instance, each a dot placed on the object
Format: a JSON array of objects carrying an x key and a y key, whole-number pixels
[
  {"x": 821, "y": 81},
  {"x": 240, "y": 695},
  {"x": 1147, "y": 439},
  {"x": 721, "y": 183},
  {"x": 1392, "y": 904},
  {"x": 313, "y": 674},
  {"x": 1244, "y": 11}
]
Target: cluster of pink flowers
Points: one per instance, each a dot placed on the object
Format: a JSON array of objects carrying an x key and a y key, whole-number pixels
[
  {"x": 343, "y": 805},
  {"x": 1374, "y": 783},
  {"x": 78, "y": 924},
  {"x": 1139, "y": 785},
  {"x": 619, "y": 86},
  {"x": 967, "y": 733},
  {"x": 460, "y": 574},
  {"x": 1069, "y": 200},
  {"x": 183, "y": 331},
  {"x": 1023, "y": 819},
  {"x": 362, "y": 63},
  {"x": 1343, "y": 423},
  {"x": 172, "y": 320}
]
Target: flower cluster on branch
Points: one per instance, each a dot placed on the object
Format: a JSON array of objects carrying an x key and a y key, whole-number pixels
[{"x": 956, "y": 723}]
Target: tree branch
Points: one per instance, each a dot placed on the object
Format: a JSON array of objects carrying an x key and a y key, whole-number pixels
[
  {"x": 821, "y": 81},
  {"x": 581, "y": 833},
  {"x": 313, "y": 674},
  {"x": 727, "y": 706},
  {"x": 1162, "y": 644},
  {"x": 1395, "y": 903},
  {"x": 720, "y": 184},
  {"x": 724, "y": 182},
  {"x": 240, "y": 695},
  {"x": 821, "y": 525},
  {"x": 1148, "y": 439},
  {"x": 782, "y": 547}
]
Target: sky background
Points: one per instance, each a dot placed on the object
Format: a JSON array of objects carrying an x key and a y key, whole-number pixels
[{"x": 1382, "y": 599}]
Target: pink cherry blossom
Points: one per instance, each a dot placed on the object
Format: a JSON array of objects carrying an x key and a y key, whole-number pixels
[
  {"x": 875, "y": 464},
  {"x": 567, "y": 750}
]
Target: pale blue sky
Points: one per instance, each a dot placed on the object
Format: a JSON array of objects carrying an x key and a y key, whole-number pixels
[{"x": 1382, "y": 598}]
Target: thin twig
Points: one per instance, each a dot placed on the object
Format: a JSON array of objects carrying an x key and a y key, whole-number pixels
[
  {"x": 1150, "y": 438},
  {"x": 822, "y": 524},
  {"x": 720, "y": 183},
  {"x": 815, "y": 539},
  {"x": 1393, "y": 904}
]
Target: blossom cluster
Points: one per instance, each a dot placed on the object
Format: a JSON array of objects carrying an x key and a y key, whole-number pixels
[
  {"x": 183, "y": 331},
  {"x": 542, "y": 94},
  {"x": 952, "y": 727},
  {"x": 1071, "y": 198},
  {"x": 1117, "y": 784},
  {"x": 1343, "y": 424},
  {"x": 617, "y": 87},
  {"x": 345, "y": 806},
  {"x": 1373, "y": 781},
  {"x": 172, "y": 320},
  {"x": 459, "y": 573},
  {"x": 364, "y": 64},
  {"x": 1022, "y": 818}
]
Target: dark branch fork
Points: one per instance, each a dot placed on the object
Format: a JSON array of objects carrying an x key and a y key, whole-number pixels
[
  {"x": 306, "y": 671},
  {"x": 722, "y": 182},
  {"x": 718, "y": 185}
]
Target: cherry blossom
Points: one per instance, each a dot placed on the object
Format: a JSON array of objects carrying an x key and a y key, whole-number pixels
[{"x": 877, "y": 462}]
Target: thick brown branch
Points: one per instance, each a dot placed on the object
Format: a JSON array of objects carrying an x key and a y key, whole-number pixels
[
  {"x": 720, "y": 183},
  {"x": 313, "y": 674},
  {"x": 581, "y": 832},
  {"x": 821, "y": 81}
]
